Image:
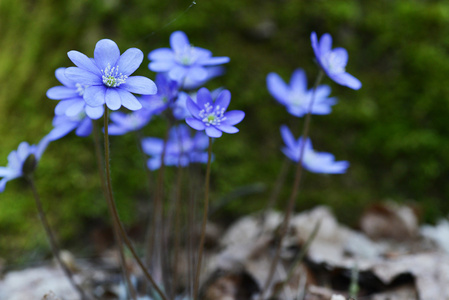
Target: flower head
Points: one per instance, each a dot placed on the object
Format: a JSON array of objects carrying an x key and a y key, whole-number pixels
[
  {"x": 316, "y": 162},
  {"x": 167, "y": 92},
  {"x": 333, "y": 61},
  {"x": 211, "y": 116},
  {"x": 63, "y": 125},
  {"x": 107, "y": 78},
  {"x": 181, "y": 148},
  {"x": 183, "y": 60},
  {"x": 71, "y": 96},
  {"x": 123, "y": 123},
  {"x": 22, "y": 161},
  {"x": 296, "y": 97}
]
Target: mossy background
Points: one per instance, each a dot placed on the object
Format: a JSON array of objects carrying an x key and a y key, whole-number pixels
[{"x": 393, "y": 131}]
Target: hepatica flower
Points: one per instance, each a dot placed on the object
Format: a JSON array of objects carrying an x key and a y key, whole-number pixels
[
  {"x": 333, "y": 61},
  {"x": 63, "y": 125},
  {"x": 106, "y": 77},
  {"x": 181, "y": 149},
  {"x": 296, "y": 97},
  {"x": 316, "y": 162},
  {"x": 183, "y": 60},
  {"x": 22, "y": 161},
  {"x": 71, "y": 96},
  {"x": 167, "y": 92},
  {"x": 211, "y": 116},
  {"x": 123, "y": 123}
]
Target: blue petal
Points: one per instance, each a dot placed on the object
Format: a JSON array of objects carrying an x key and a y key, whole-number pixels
[
  {"x": 95, "y": 95},
  {"x": 277, "y": 88},
  {"x": 223, "y": 99},
  {"x": 85, "y": 128},
  {"x": 233, "y": 117},
  {"x": 213, "y": 132},
  {"x": 197, "y": 73},
  {"x": 112, "y": 98},
  {"x": 82, "y": 76},
  {"x": 346, "y": 79},
  {"x": 3, "y": 184},
  {"x": 161, "y": 54},
  {"x": 63, "y": 105},
  {"x": 4, "y": 171},
  {"x": 288, "y": 138},
  {"x": 62, "y": 130},
  {"x": 83, "y": 62},
  {"x": 75, "y": 109},
  {"x": 129, "y": 100},
  {"x": 192, "y": 107},
  {"x": 106, "y": 52},
  {"x": 139, "y": 85},
  {"x": 129, "y": 61},
  {"x": 94, "y": 112},
  {"x": 202, "y": 97},
  {"x": 154, "y": 163},
  {"x": 178, "y": 72},
  {"x": 161, "y": 65},
  {"x": 152, "y": 146},
  {"x": 60, "y": 75},
  {"x": 178, "y": 41},
  {"x": 341, "y": 55},
  {"x": 298, "y": 82},
  {"x": 61, "y": 92},
  {"x": 212, "y": 61},
  {"x": 325, "y": 43},
  {"x": 228, "y": 128},
  {"x": 195, "y": 124}
]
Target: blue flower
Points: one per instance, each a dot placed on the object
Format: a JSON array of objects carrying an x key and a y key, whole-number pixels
[
  {"x": 183, "y": 60},
  {"x": 71, "y": 96},
  {"x": 167, "y": 92},
  {"x": 16, "y": 167},
  {"x": 316, "y": 162},
  {"x": 63, "y": 125},
  {"x": 123, "y": 123},
  {"x": 211, "y": 116},
  {"x": 181, "y": 148},
  {"x": 333, "y": 62},
  {"x": 296, "y": 97},
  {"x": 106, "y": 77}
]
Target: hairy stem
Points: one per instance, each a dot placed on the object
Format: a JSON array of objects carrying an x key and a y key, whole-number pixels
[
  {"x": 113, "y": 209},
  {"x": 204, "y": 223},
  {"x": 51, "y": 238}
]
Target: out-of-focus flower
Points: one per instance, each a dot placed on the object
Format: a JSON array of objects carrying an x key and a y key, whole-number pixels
[
  {"x": 123, "y": 123},
  {"x": 211, "y": 116},
  {"x": 23, "y": 161},
  {"x": 316, "y": 162},
  {"x": 167, "y": 92},
  {"x": 296, "y": 97},
  {"x": 71, "y": 96},
  {"x": 63, "y": 125},
  {"x": 181, "y": 148},
  {"x": 106, "y": 77},
  {"x": 183, "y": 61},
  {"x": 333, "y": 61}
]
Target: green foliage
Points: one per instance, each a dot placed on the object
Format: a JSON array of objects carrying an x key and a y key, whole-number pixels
[{"x": 393, "y": 131}]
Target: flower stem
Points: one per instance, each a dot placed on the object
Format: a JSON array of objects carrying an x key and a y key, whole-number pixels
[
  {"x": 53, "y": 245},
  {"x": 107, "y": 190},
  {"x": 295, "y": 189},
  {"x": 203, "y": 226},
  {"x": 113, "y": 209}
]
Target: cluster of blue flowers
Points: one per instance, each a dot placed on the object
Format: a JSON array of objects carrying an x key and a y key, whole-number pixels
[
  {"x": 106, "y": 82},
  {"x": 300, "y": 101}
]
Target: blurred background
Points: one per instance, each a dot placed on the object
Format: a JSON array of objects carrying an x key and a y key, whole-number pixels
[{"x": 394, "y": 131}]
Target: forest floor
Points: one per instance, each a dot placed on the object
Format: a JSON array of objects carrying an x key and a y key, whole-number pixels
[{"x": 391, "y": 257}]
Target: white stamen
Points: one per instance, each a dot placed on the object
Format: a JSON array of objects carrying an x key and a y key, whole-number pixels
[{"x": 112, "y": 77}]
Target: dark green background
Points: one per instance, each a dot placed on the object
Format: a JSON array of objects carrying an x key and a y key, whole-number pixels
[{"x": 393, "y": 131}]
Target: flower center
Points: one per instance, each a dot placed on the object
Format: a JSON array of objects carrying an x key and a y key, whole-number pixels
[
  {"x": 212, "y": 116},
  {"x": 187, "y": 55},
  {"x": 112, "y": 77},
  {"x": 80, "y": 88},
  {"x": 335, "y": 63}
]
